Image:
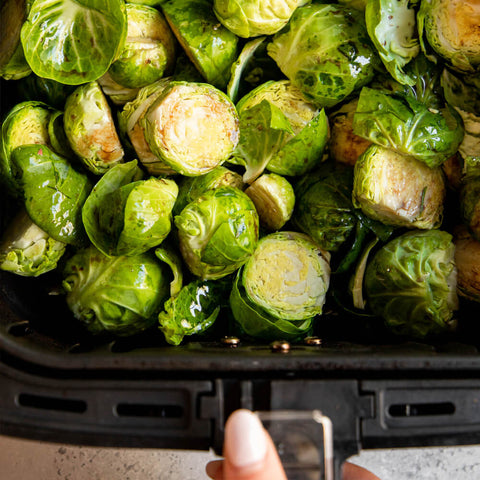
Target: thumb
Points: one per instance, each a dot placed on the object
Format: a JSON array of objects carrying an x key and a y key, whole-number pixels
[{"x": 249, "y": 451}]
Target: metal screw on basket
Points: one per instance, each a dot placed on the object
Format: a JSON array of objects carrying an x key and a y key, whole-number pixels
[
  {"x": 230, "y": 341},
  {"x": 280, "y": 346},
  {"x": 312, "y": 341}
]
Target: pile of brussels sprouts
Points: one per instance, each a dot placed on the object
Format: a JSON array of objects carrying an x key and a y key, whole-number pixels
[{"x": 248, "y": 164}]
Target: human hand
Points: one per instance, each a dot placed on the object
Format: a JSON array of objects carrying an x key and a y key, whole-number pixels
[{"x": 250, "y": 454}]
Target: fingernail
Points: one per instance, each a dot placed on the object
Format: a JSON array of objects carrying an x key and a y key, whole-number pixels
[{"x": 245, "y": 439}]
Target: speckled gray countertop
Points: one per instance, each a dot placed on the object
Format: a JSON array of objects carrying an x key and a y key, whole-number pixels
[{"x": 29, "y": 460}]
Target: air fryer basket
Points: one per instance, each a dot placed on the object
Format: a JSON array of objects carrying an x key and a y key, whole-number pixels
[{"x": 59, "y": 384}]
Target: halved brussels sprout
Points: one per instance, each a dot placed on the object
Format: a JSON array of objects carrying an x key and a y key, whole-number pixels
[
  {"x": 73, "y": 41},
  {"x": 193, "y": 311},
  {"x": 127, "y": 217},
  {"x": 392, "y": 27},
  {"x": 117, "y": 295},
  {"x": 323, "y": 208},
  {"x": 217, "y": 232},
  {"x": 410, "y": 127},
  {"x": 450, "y": 28},
  {"x": 325, "y": 51},
  {"x": 53, "y": 191},
  {"x": 191, "y": 188},
  {"x": 467, "y": 261},
  {"x": 274, "y": 200},
  {"x": 90, "y": 129},
  {"x": 344, "y": 146},
  {"x": 26, "y": 123},
  {"x": 149, "y": 51},
  {"x": 192, "y": 127},
  {"x": 280, "y": 131},
  {"x": 282, "y": 287},
  {"x": 411, "y": 283},
  {"x": 397, "y": 189},
  {"x": 251, "y": 18},
  {"x": 13, "y": 65},
  {"x": 26, "y": 250},
  {"x": 129, "y": 120},
  {"x": 210, "y": 46}
]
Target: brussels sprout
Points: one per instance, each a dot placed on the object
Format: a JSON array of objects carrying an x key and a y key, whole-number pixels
[
  {"x": 35, "y": 88},
  {"x": 323, "y": 208},
  {"x": 411, "y": 283},
  {"x": 192, "y": 127},
  {"x": 251, "y": 18},
  {"x": 129, "y": 123},
  {"x": 217, "y": 232},
  {"x": 402, "y": 123},
  {"x": 191, "y": 188},
  {"x": 343, "y": 145},
  {"x": 53, "y": 191},
  {"x": 398, "y": 190},
  {"x": 450, "y": 29},
  {"x": 279, "y": 131},
  {"x": 274, "y": 199},
  {"x": 252, "y": 68},
  {"x": 470, "y": 204},
  {"x": 117, "y": 295},
  {"x": 71, "y": 41},
  {"x": 118, "y": 94},
  {"x": 27, "y": 250},
  {"x": 392, "y": 27},
  {"x": 90, "y": 129},
  {"x": 127, "y": 217},
  {"x": 13, "y": 65},
  {"x": 210, "y": 46},
  {"x": 325, "y": 51},
  {"x": 193, "y": 311},
  {"x": 26, "y": 123},
  {"x": 282, "y": 287},
  {"x": 467, "y": 261},
  {"x": 149, "y": 50}
]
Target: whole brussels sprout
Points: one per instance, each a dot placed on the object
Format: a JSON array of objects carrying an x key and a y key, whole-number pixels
[
  {"x": 281, "y": 288},
  {"x": 191, "y": 188},
  {"x": 149, "y": 50},
  {"x": 25, "y": 124},
  {"x": 280, "y": 131},
  {"x": 210, "y": 46},
  {"x": 26, "y": 250},
  {"x": 397, "y": 189},
  {"x": 450, "y": 29},
  {"x": 411, "y": 283},
  {"x": 90, "y": 128},
  {"x": 127, "y": 217},
  {"x": 217, "y": 232},
  {"x": 73, "y": 42},
  {"x": 251, "y": 18},
  {"x": 325, "y": 51},
  {"x": 323, "y": 207},
  {"x": 192, "y": 127},
  {"x": 53, "y": 192},
  {"x": 118, "y": 295}
]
